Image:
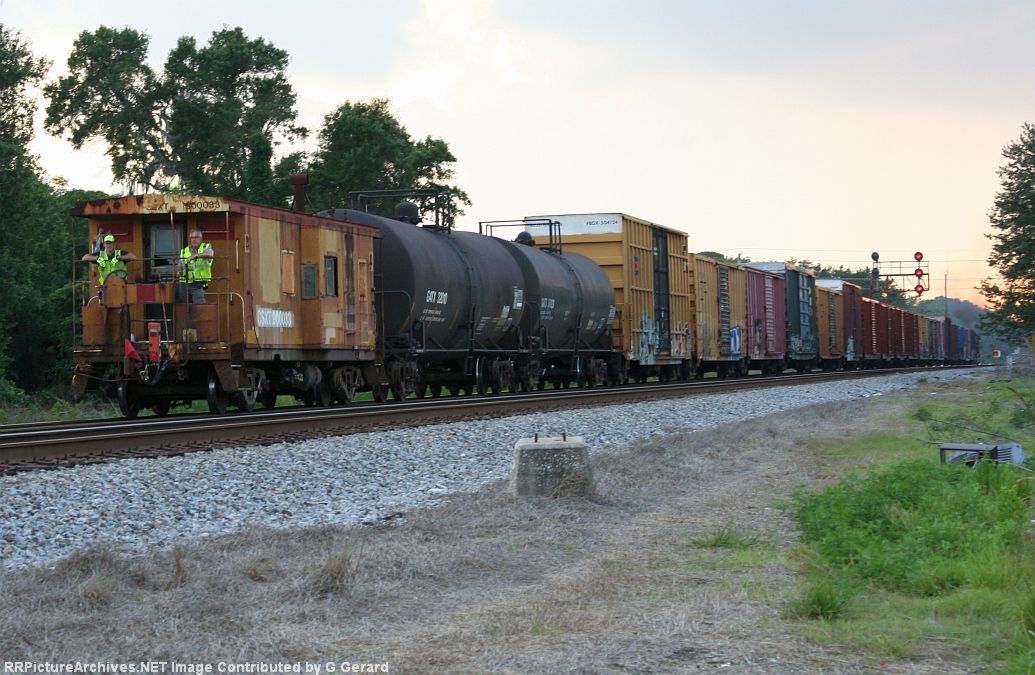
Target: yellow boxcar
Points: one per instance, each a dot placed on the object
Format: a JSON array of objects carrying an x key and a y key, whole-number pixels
[
  {"x": 720, "y": 301},
  {"x": 830, "y": 324},
  {"x": 648, "y": 266}
]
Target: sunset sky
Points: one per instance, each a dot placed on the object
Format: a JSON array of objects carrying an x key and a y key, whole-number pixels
[{"x": 819, "y": 130}]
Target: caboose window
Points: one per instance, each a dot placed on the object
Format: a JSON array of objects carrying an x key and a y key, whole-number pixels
[
  {"x": 163, "y": 244},
  {"x": 330, "y": 275},
  {"x": 309, "y": 284}
]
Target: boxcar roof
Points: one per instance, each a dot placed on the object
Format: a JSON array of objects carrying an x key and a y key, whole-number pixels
[{"x": 596, "y": 223}]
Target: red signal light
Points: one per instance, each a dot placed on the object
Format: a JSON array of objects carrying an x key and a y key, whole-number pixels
[
  {"x": 919, "y": 288},
  {"x": 919, "y": 273},
  {"x": 918, "y": 256}
]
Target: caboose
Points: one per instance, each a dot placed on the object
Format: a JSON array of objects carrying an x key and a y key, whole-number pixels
[{"x": 289, "y": 307}]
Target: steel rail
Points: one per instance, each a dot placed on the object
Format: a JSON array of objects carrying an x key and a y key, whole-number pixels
[{"x": 24, "y": 447}]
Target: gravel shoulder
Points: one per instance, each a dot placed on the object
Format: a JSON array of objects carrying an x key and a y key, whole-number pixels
[{"x": 487, "y": 582}]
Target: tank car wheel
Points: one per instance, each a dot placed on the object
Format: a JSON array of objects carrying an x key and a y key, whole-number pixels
[
  {"x": 218, "y": 398},
  {"x": 129, "y": 399},
  {"x": 344, "y": 382},
  {"x": 268, "y": 399},
  {"x": 244, "y": 402},
  {"x": 481, "y": 378},
  {"x": 161, "y": 408},
  {"x": 322, "y": 395},
  {"x": 436, "y": 390},
  {"x": 379, "y": 392}
]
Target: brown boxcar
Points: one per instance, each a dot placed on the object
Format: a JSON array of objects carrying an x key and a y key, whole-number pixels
[
  {"x": 910, "y": 335},
  {"x": 830, "y": 327},
  {"x": 923, "y": 339},
  {"x": 721, "y": 304},
  {"x": 896, "y": 348},
  {"x": 883, "y": 342},
  {"x": 653, "y": 280},
  {"x": 766, "y": 321},
  {"x": 285, "y": 287}
]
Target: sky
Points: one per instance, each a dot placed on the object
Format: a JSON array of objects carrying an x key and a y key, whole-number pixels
[{"x": 821, "y": 130}]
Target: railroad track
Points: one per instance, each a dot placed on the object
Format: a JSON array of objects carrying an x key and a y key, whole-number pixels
[{"x": 54, "y": 445}]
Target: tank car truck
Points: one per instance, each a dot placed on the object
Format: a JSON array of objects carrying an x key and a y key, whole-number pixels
[{"x": 289, "y": 308}]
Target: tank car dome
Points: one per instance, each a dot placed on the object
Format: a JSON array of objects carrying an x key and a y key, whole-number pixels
[
  {"x": 525, "y": 238},
  {"x": 407, "y": 212}
]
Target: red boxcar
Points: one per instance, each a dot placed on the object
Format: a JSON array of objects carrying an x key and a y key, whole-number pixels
[{"x": 766, "y": 321}]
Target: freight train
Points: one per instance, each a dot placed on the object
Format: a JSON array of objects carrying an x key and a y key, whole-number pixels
[{"x": 322, "y": 306}]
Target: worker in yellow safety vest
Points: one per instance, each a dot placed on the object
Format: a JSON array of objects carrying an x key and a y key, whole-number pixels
[
  {"x": 110, "y": 260},
  {"x": 195, "y": 269}
]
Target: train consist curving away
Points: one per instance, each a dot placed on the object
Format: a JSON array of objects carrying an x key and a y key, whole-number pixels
[{"x": 322, "y": 306}]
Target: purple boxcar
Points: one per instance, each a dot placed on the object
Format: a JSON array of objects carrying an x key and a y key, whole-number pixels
[{"x": 766, "y": 321}]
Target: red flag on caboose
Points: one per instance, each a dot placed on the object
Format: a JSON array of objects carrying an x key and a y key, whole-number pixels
[{"x": 131, "y": 351}]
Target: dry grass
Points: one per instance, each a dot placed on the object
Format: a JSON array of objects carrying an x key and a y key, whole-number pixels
[{"x": 610, "y": 583}]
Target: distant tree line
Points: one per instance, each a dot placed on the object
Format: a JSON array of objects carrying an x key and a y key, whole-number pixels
[{"x": 217, "y": 118}]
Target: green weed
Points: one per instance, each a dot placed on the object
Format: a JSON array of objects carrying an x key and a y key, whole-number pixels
[
  {"x": 728, "y": 536},
  {"x": 912, "y": 527},
  {"x": 826, "y": 597}
]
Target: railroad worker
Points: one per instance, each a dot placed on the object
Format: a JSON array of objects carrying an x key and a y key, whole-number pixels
[
  {"x": 110, "y": 260},
  {"x": 195, "y": 269}
]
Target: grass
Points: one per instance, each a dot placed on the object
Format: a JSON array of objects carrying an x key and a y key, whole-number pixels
[
  {"x": 680, "y": 565},
  {"x": 728, "y": 536},
  {"x": 910, "y": 553}
]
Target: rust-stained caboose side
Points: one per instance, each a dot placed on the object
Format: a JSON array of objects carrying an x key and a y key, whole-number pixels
[{"x": 289, "y": 308}]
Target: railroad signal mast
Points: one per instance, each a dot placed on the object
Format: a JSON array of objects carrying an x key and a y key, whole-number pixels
[{"x": 898, "y": 269}]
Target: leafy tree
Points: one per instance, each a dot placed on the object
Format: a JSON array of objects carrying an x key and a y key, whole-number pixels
[
  {"x": 206, "y": 124},
  {"x": 363, "y": 147},
  {"x": 734, "y": 260},
  {"x": 1012, "y": 300},
  {"x": 22, "y": 195}
]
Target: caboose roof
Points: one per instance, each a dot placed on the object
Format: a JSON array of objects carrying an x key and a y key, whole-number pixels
[{"x": 162, "y": 204}]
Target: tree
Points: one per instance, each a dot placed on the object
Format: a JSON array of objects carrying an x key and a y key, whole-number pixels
[
  {"x": 363, "y": 147},
  {"x": 206, "y": 124},
  {"x": 1012, "y": 299},
  {"x": 22, "y": 196}
]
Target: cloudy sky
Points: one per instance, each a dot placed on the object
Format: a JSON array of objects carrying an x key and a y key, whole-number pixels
[{"x": 822, "y": 130}]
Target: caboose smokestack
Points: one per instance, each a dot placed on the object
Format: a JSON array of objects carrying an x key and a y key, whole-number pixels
[{"x": 299, "y": 180}]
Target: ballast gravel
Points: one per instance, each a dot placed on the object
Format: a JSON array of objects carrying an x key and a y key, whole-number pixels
[{"x": 135, "y": 505}]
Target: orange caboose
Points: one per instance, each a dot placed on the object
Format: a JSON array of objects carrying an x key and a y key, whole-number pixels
[{"x": 289, "y": 307}]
